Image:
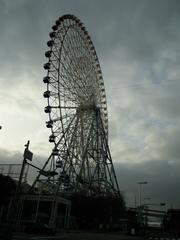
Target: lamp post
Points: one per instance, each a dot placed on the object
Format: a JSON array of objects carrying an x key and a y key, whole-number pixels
[
  {"x": 140, "y": 190},
  {"x": 141, "y": 220}
]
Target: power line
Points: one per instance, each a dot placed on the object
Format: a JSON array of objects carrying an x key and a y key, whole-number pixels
[{"x": 141, "y": 84}]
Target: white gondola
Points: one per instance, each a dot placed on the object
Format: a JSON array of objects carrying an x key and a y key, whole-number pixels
[
  {"x": 46, "y": 79},
  {"x": 47, "y": 94},
  {"x": 49, "y": 124},
  {"x": 55, "y": 152},
  {"x": 47, "y": 109},
  {"x": 52, "y": 34},
  {"x": 54, "y": 27},
  {"x": 50, "y": 43},
  {"x": 52, "y": 138},
  {"x": 59, "y": 164},
  {"x": 47, "y": 66}
]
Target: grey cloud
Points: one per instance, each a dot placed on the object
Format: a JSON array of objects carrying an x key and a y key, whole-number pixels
[
  {"x": 171, "y": 150},
  {"x": 138, "y": 47},
  {"x": 141, "y": 28},
  {"x": 162, "y": 177},
  {"x": 7, "y": 157}
]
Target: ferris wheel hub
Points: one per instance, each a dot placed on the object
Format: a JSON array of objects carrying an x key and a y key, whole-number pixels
[{"x": 86, "y": 107}]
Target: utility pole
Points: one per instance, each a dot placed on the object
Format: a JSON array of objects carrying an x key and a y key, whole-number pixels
[
  {"x": 140, "y": 191},
  {"x": 141, "y": 220},
  {"x": 27, "y": 156},
  {"x": 26, "y": 151},
  {"x": 15, "y": 201}
]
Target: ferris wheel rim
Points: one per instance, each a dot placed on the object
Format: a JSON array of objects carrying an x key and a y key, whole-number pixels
[{"x": 53, "y": 35}]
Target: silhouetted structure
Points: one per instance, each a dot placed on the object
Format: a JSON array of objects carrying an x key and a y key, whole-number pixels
[
  {"x": 80, "y": 160},
  {"x": 171, "y": 222}
]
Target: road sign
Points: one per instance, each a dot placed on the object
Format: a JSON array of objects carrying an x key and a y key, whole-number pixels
[{"x": 28, "y": 154}]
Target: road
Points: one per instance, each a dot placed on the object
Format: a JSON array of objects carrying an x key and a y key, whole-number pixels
[
  {"x": 76, "y": 236},
  {"x": 90, "y": 236}
]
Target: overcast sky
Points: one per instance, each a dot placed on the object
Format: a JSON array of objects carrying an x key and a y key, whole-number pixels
[{"x": 138, "y": 45}]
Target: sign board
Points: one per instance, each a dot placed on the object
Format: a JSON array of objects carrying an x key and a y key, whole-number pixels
[{"x": 28, "y": 154}]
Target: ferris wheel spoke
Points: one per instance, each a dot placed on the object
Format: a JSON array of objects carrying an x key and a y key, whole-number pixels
[
  {"x": 65, "y": 82},
  {"x": 69, "y": 88},
  {"x": 71, "y": 62},
  {"x": 71, "y": 76},
  {"x": 62, "y": 91},
  {"x": 74, "y": 135},
  {"x": 82, "y": 73},
  {"x": 71, "y": 142},
  {"x": 53, "y": 75},
  {"x": 65, "y": 132},
  {"x": 74, "y": 44},
  {"x": 54, "y": 53}
]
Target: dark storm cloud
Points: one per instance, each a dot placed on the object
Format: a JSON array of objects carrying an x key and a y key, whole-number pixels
[
  {"x": 7, "y": 157},
  {"x": 16, "y": 157},
  {"x": 162, "y": 177},
  {"x": 142, "y": 28},
  {"x": 18, "y": 33}
]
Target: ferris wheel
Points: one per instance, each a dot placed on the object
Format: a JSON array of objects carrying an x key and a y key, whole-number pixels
[{"x": 77, "y": 114}]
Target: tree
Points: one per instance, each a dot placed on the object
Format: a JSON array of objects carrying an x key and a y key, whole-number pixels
[
  {"x": 7, "y": 189},
  {"x": 91, "y": 211}
]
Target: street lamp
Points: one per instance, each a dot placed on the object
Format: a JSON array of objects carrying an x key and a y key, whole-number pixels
[
  {"x": 140, "y": 190},
  {"x": 141, "y": 220}
]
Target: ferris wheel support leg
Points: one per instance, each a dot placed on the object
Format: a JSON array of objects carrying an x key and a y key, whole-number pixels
[
  {"x": 84, "y": 153},
  {"x": 110, "y": 159}
]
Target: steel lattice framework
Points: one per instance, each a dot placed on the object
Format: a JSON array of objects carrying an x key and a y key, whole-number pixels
[{"x": 80, "y": 160}]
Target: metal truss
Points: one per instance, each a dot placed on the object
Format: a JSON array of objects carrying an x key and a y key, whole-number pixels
[{"x": 80, "y": 160}]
